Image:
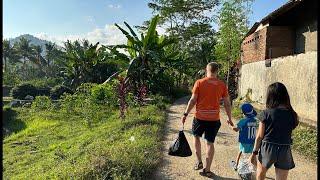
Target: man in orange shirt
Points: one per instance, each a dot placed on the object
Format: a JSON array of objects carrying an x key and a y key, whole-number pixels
[{"x": 206, "y": 95}]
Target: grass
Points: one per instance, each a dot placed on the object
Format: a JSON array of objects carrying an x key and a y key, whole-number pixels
[
  {"x": 55, "y": 145},
  {"x": 304, "y": 138},
  {"x": 305, "y": 142},
  {"x": 236, "y": 113}
]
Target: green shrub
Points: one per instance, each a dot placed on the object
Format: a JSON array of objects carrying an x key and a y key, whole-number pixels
[
  {"x": 42, "y": 103},
  {"x": 22, "y": 90},
  {"x": 57, "y": 91},
  {"x": 10, "y": 122},
  {"x": 7, "y": 114},
  {"x": 104, "y": 94},
  {"x": 180, "y": 92},
  {"x": 68, "y": 103},
  {"x": 236, "y": 112},
  {"x": 11, "y": 77},
  {"x": 160, "y": 101},
  {"x": 85, "y": 88}
]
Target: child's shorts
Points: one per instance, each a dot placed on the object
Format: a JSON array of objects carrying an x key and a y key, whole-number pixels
[{"x": 246, "y": 148}]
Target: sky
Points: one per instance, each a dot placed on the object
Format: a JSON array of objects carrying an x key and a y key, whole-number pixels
[{"x": 59, "y": 20}]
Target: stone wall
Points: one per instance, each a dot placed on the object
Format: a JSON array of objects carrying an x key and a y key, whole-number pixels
[{"x": 297, "y": 72}]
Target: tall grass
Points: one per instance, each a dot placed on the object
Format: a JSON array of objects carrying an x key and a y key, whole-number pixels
[{"x": 59, "y": 145}]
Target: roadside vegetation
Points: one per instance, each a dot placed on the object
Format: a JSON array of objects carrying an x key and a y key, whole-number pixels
[{"x": 93, "y": 111}]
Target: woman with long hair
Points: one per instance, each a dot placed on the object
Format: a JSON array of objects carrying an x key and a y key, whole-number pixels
[{"x": 273, "y": 138}]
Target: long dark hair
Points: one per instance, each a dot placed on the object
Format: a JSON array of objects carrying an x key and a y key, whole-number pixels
[{"x": 277, "y": 94}]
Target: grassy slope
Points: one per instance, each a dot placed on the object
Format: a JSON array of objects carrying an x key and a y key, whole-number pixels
[{"x": 57, "y": 145}]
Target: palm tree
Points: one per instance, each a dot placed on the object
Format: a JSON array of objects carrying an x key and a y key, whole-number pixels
[
  {"x": 50, "y": 49},
  {"x": 7, "y": 50},
  {"x": 10, "y": 54},
  {"x": 24, "y": 50},
  {"x": 37, "y": 58}
]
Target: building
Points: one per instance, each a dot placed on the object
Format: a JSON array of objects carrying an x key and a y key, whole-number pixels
[{"x": 283, "y": 47}]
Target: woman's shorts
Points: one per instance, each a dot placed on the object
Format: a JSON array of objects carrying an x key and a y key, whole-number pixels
[
  {"x": 246, "y": 148},
  {"x": 279, "y": 155}
]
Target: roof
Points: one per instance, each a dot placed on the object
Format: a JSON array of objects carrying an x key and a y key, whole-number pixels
[{"x": 276, "y": 13}]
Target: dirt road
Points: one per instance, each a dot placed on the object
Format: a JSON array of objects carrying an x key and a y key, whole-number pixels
[{"x": 226, "y": 148}]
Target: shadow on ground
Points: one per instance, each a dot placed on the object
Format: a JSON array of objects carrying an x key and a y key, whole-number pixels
[{"x": 10, "y": 122}]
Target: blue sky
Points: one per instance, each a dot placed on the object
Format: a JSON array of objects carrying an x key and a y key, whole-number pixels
[{"x": 58, "y": 20}]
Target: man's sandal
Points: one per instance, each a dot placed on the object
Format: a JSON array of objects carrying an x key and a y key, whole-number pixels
[
  {"x": 198, "y": 165},
  {"x": 208, "y": 174}
]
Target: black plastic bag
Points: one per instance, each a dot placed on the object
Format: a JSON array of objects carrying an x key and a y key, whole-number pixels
[{"x": 180, "y": 147}]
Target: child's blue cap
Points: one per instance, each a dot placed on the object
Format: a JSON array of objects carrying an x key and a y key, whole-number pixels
[{"x": 247, "y": 110}]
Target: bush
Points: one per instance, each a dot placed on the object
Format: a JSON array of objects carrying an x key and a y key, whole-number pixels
[
  {"x": 160, "y": 101},
  {"x": 42, "y": 103},
  {"x": 45, "y": 82},
  {"x": 7, "y": 114},
  {"x": 57, "y": 91},
  {"x": 104, "y": 94},
  {"x": 85, "y": 88},
  {"x": 180, "y": 92},
  {"x": 22, "y": 90}
]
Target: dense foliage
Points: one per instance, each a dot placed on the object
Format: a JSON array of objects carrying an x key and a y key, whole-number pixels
[{"x": 22, "y": 90}]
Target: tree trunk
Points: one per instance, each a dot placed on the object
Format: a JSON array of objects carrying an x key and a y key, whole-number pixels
[
  {"x": 5, "y": 64},
  {"x": 228, "y": 72}
]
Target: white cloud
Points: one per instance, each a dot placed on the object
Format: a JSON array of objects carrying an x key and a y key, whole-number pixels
[
  {"x": 109, "y": 35},
  {"x": 89, "y": 19},
  {"x": 114, "y": 6}
]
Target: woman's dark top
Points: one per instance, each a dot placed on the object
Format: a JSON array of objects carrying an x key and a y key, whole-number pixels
[{"x": 279, "y": 123}]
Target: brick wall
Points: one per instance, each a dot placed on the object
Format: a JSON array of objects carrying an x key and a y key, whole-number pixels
[
  {"x": 253, "y": 47},
  {"x": 280, "y": 41},
  {"x": 269, "y": 42}
]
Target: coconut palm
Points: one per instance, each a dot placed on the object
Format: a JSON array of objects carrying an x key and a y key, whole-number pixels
[{"x": 50, "y": 49}]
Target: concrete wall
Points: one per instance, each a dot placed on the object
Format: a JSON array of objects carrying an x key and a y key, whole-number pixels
[
  {"x": 297, "y": 72},
  {"x": 306, "y": 37}
]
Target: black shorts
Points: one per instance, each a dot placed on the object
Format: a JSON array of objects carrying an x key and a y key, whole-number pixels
[
  {"x": 209, "y": 128},
  {"x": 278, "y": 155}
]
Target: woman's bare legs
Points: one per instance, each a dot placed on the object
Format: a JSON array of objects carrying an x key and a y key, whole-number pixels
[
  {"x": 281, "y": 174},
  {"x": 261, "y": 171}
]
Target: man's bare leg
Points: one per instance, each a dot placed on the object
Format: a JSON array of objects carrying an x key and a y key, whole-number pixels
[
  {"x": 210, "y": 152},
  {"x": 197, "y": 145}
]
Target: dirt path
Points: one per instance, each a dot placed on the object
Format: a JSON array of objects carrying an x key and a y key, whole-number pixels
[{"x": 226, "y": 148}]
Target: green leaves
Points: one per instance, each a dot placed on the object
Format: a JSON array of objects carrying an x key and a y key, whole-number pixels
[{"x": 151, "y": 31}]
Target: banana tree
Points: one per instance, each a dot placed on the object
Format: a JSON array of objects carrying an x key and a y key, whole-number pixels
[
  {"x": 79, "y": 61},
  {"x": 146, "y": 53}
]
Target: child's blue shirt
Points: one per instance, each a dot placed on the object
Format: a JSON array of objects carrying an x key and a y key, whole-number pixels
[{"x": 247, "y": 133}]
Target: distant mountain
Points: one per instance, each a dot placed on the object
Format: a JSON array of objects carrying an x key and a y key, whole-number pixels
[{"x": 34, "y": 41}]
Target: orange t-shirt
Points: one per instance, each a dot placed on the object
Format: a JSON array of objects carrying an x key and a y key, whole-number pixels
[{"x": 209, "y": 91}]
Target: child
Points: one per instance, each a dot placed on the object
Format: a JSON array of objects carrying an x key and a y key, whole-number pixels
[{"x": 247, "y": 131}]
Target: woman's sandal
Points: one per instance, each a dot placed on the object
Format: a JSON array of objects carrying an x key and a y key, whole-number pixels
[
  {"x": 198, "y": 165},
  {"x": 208, "y": 174}
]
